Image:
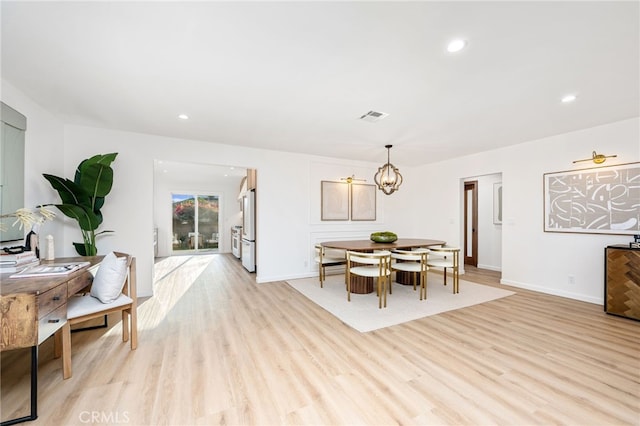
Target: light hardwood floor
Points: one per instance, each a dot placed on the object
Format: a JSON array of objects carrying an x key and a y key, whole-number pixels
[{"x": 217, "y": 348}]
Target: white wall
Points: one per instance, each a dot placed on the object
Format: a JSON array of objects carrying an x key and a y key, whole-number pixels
[
  {"x": 532, "y": 258},
  {"x": 283, "y": 196},
  {"x": 44, "y": 141},
  {"x": 429, "y": 204},
  {"x": 319, "y": 230}
]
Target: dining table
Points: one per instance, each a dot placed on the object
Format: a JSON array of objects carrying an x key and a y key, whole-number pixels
[{"x": 363, "y": 285}]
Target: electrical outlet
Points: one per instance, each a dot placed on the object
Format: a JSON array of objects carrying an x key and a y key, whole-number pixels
[{"x": 572, "y": 279}]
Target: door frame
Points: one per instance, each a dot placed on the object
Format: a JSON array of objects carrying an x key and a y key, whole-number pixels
[{"x": 471, "y": 221}]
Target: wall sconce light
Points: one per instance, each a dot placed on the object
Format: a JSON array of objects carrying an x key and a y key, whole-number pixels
[
  {"x": 388, "y": 177},
  {"x": 596, "y": 158},
  {"x": 352, "y": 179}
]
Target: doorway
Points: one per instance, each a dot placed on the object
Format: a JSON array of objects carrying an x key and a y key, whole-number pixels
[
  {"x": 480, "y": 227},
  {"x": 471, "y": 223},
  {"x": 193, "y": 180}
]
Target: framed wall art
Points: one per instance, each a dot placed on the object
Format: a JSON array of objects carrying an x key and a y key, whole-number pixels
[
  {"x": 334, "y": 200},
  {"x": 603, "y": 200},
  {"x": 363, "y": 201}
]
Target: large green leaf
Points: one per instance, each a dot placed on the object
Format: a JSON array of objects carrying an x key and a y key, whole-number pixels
[
  {"x": 86, "y": 218},
  {"x": 96, "y": 179},
  {"x": 98, "y": 202},
  {"x": 104, "y": 159},
  {"x": 85, "y": 249},
  {"x": 69, "y": 192}
]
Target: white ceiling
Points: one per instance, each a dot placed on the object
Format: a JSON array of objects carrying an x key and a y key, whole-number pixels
[{"x": 296, "y": 76}]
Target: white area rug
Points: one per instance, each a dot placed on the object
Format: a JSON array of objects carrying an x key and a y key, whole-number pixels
[{"x": 403, "y": 305}]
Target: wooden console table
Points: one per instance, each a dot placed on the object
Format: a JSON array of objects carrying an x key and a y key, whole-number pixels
[
  {"x": 622, "y": 281},
  {"x": 363, "y": 285},
  {"x": 32, "y": 309}
]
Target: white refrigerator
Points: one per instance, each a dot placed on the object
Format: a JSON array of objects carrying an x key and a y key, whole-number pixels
[{"x": 249, "y": 230}]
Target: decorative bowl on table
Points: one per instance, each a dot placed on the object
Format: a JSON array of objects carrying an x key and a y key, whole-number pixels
[{"x": 383, "y": 237}]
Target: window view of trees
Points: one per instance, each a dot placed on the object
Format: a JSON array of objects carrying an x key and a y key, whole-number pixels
[{"x": 195, "y": 225}]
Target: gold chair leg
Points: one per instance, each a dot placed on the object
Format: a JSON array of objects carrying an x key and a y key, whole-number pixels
[
  {"x": 456, "y": 281},
  {"x": 385, "y": 284},
  {"x": 425, "y": 284}
]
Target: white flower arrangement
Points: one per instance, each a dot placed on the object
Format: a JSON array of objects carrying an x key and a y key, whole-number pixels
[{"x": 27, "y": 218}]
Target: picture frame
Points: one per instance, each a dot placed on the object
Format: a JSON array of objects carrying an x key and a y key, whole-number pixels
[
  {"x": 363, "y": 202},
  {"x": 600, "y": 200},
  {"x": 497, "y": 203},
  {"x": 334, "y": 200}
]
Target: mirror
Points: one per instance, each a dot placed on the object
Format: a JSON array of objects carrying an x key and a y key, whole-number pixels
[{"x": 14, "y": 126}]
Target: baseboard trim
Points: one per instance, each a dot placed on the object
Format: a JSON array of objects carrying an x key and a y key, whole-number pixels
[
  {"x": 554, "y": 292},
  {"x": 490, "y": 267}
]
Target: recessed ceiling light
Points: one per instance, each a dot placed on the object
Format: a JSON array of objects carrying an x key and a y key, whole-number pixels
[
  {"x": 456, "y": 45},
  {"x": 183, "y": 117},
  {"x": 568, "y": 99}
]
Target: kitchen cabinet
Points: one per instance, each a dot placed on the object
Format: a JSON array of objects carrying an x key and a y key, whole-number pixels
[{"x": 251, "y": 179}]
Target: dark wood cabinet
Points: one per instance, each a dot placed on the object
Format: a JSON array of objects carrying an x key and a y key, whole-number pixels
[{"x": 622, "y": 281}]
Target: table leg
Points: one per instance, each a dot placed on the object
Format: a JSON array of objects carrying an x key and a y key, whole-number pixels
[
  {"x": 34, "y": 392},
  {"x": 408, "y": 278}
]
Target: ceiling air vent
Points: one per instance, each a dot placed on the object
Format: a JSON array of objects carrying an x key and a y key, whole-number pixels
[{"x": 373, "y": 116}]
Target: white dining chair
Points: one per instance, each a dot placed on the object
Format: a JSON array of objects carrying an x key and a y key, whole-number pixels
[
  {"x": 414, "y": 261},
  {"x": 373, "y": 265},
  {"x": 328, "y": 257},
  {"x": 446, "y": 257}
]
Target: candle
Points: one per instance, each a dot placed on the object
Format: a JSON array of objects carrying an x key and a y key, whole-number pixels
[{"x": 50, "y": 248}]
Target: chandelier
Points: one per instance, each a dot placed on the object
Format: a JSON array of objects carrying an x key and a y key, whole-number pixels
[{"x": 388, "y": 177}]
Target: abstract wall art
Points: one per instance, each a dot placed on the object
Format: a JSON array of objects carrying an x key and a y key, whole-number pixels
[{"x": 603, "y": 200}]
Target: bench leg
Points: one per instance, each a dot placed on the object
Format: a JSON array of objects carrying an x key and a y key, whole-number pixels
[{"x": 66, "y": 350}]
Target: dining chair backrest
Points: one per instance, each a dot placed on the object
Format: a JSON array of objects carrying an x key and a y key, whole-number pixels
[
  {"x": 382, "y": 257},
  {"x": 418, "y": 255}
]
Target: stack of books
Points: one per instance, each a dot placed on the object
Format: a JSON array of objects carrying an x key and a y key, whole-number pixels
[{"x": 17, "y": 262}]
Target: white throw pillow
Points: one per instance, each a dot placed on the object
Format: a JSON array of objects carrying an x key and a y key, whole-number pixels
[{"x": 110, "y": 277}]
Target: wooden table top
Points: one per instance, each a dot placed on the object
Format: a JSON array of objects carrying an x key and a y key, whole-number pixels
[
  {"x": 368, "y": 245},
  {"x": 39, "y": 285}
]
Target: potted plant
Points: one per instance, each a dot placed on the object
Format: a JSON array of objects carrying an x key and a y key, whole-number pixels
[{"x": 83, "y": 197}]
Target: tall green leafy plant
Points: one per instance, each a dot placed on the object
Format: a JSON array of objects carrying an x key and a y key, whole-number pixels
[{"x": 83, "y": 197}]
